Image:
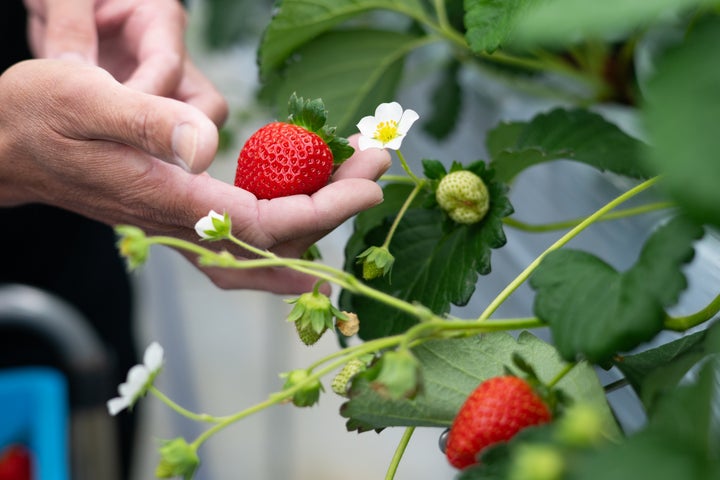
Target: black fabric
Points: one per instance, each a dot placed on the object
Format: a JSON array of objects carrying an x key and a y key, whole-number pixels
[{"x": 70, "y": 256}]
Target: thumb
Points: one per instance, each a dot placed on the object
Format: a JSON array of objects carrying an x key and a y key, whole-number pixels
[{"x": 165, "y": 128}]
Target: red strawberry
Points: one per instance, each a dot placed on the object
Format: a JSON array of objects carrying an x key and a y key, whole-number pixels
[
  {"x": 15, "y": 463},
  {"x": 494, "y": 412},
  {"x": 282, "y": 159},
  {"x": 291, "y": 158}
]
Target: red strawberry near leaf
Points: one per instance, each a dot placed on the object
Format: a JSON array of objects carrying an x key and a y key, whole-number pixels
[
  {"x": 15, "y": 463},
  {"x": 293, "y": 157},
  {"x": 494, "y": 412}
]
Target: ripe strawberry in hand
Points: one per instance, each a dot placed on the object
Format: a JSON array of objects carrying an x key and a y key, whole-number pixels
[
  {"x": 494, "y": 412},
  {"x": 293, "y": 157}
]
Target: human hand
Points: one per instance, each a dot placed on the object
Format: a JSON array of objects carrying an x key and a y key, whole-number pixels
[
  {"x": 74, "y": 137},
  {"x": 140, "y": 42}
]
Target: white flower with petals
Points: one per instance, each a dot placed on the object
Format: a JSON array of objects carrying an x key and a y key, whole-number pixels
[
  {"x": 213, "y": 226},
  {"x": 139, "y": 380},
  {"x": 387, "y": 128}
]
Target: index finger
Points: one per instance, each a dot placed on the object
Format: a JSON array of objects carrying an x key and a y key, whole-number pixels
[
  {"x": 70, "y": 29},
  {"x": 156, "y": 32}
]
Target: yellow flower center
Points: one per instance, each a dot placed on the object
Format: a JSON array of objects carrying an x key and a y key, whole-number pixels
[{"x": 386, "y": 131}]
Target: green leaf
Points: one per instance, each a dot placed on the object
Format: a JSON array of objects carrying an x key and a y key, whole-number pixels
[
  {"x": 489, "y": 23},
  {"x": 683, "y": 104},
  {"x": 595, "y": 311},
  {"x": 446, "y": 103},
  {"x": 425, "y": 244},
  {"x": 451, "y": 369},
  {"x": 352, "y": 70},
  {"x": 578, "y": 135},
  {"x": 564, "y": 22},
  {"x": 682, "y": 438},
  {"x": 655, "y": 371},
  {"x": 296, "y": 22}
]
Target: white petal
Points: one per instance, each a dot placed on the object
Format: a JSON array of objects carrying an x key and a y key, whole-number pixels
[
  {"x": 117, "y": 405},
  {"x": 137, "y": 377},
  {"x": 408, "y": 118},
  {"x": 366, "y": 142},
  {"x": 204, "y": 225},
  {"x": 153, "y": 358},
  {"x": 388, "y": 111},
  {"x": 395, "y": 143},
  {"x": 367, "y": 126}
]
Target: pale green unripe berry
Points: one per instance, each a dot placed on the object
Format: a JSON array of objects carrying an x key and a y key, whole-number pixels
[{"x": 464, "y": 196}]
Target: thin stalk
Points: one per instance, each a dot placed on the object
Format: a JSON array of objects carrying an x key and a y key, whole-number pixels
[
  {"x": 397, "y": 179},
  {"x": 562, "y": 242},
  {"x": 547, "y": 227},
  {"x": 680, "y": 324},
  {"x": 561, "y": 374},
  {"x": 401, "y": 213},
  {"x": 406, "y": 167},
  {"x": 395, "y": 462},
  {"x": 198, "y": 417}
]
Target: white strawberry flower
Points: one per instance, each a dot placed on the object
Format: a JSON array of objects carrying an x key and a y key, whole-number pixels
[
  {"x": 213, "y": 226},
  {"x": 139, "y": 379},
  {"x": 387, "y": 128}
]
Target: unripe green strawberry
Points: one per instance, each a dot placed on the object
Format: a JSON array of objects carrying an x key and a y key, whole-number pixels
[
  {"x": 342, "y": 379},
  {"x": 464, "y": 196},
  {"x": 494, "y": 412},
  {"x": 293, "y": 157},
  {"x": 307, "y": 333},
  {"x": 312, "y": 314},
  {"x": 376, "y": 262},
  {"x": 306, "y": 396}
]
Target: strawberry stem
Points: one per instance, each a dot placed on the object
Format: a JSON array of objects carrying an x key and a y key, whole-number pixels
[
  {"x": 525, "y": 274},
  {"x": 395, "y": 462}
]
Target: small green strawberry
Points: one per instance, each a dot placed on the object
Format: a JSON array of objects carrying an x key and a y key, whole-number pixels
[
  {"x": 307, "y": 395},
  {"x": 341, "y": 381},
  {"x": 494, "y": 412},
  {"x": 293, "y": 157},
  {"x": 307, "y": 333},
  {"x": 376, "y": 262},
  {"x": 464, "y": 196},
  {"x": 313, "y": 314}
]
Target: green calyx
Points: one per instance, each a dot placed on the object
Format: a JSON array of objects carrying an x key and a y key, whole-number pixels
[
  {"x": 177, "y": 459},
  {"x": 376, "y": 262},
  {"x": 309, "y": 394},
  {"x": 313, "y": 313},
  {"x": 312, "y": 116},
  {"x": 464, "y": 196}
]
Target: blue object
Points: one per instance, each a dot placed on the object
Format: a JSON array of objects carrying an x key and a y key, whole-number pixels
[{"x": 34, "y": 412}]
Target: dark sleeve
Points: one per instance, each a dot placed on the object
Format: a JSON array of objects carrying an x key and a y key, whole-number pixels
[{"x": 13, "y": 47}]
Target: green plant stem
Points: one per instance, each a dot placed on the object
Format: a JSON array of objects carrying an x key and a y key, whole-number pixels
[
  {"x": 199, "y": 417},
  {"x": 406, "y": 167},
  {"x": 401, "y": 213},
  {"x": 562, "y": 242},
  {"x": 561, "y": 374},
  {"x": 397, "y": 179},
  {"x": 547, "y": 227},
  {"x": 395, "y": 462},
  {"x": 681, "y": 324}
]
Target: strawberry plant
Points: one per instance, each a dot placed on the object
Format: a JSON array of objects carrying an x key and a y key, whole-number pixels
[{"x": 418, "y": 268}]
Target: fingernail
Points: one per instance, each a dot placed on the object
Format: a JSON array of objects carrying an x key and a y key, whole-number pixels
[{"x": 184, "y": 144}]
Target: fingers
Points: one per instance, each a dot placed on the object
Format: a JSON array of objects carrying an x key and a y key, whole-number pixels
[
  {"x": 164, "y": 128},
  {"x": 197, "y": 90},
  {"x": 371, "y": 163},
  {"x": 69, "y": 29},
  {"x": 155, "y": 31}
]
